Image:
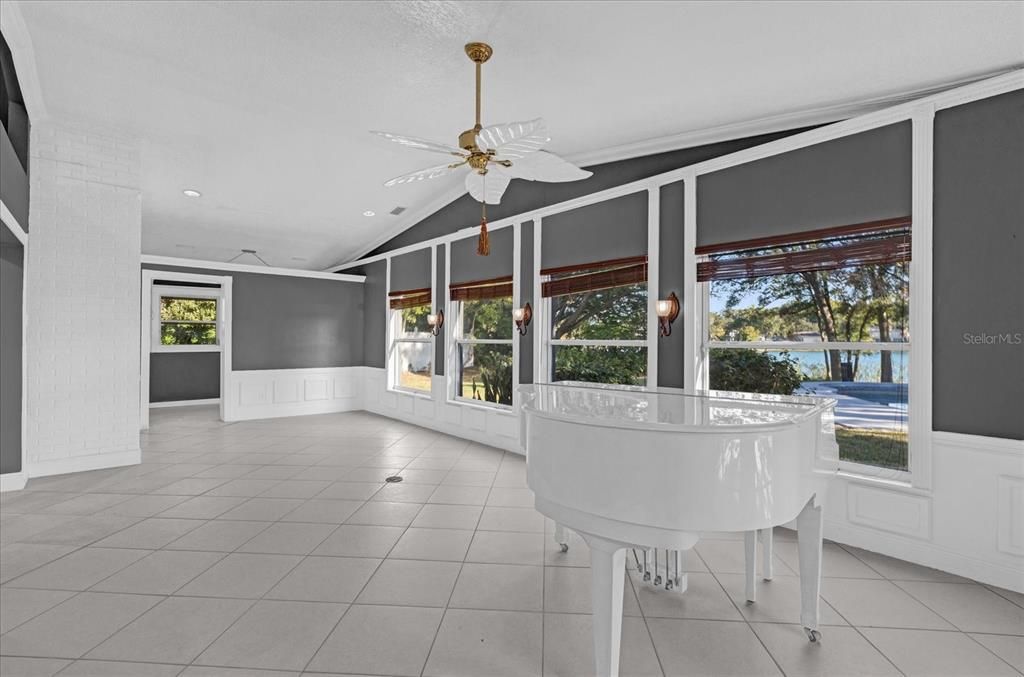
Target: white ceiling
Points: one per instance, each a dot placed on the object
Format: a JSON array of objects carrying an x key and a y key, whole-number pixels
[{"x": 265, "y": 106}]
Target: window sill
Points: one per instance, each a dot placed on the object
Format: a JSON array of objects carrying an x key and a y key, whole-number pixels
[
  {"x": 422, "y": 394},
  {"x": 901, "y": 485},
  {"x": 185, "y": 349},
  {"x": 479, "y": 404}
]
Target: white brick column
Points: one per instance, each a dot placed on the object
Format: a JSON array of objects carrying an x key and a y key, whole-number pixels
[{"x": 82, "y": 291}]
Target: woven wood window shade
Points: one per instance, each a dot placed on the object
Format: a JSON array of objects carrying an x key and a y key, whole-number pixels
[
  {"x": 595, "y": 276},
  {"x": 494, "y": 288},
  {"x": 875, "y": 243},
  {"x": 409, "y": 298}
]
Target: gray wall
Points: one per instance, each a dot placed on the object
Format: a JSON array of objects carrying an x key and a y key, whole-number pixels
[
  {"x": 174, "y": 377},
  {"x": 670, "y": 279},
  {"x": 281, "y": 322},
  {"x": 11, "y": 281},
  {"x": 468, "y": 266},
  {"x": 612, "y": 229},
  {"x": 854, "y": 179},
  {"x": 411, "y": 271},
  {"x": 978, "y": 387},
  {"x": 526, "y": 296},
  {"x": 523, "y": 196},
  {"x": 13, "y": 181},
  {"x": 441, "y": 304},
  {"x": 374, "y": 313}
]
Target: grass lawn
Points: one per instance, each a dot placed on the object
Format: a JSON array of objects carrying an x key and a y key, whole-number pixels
[
  {"x": 421, "y": 381},
  {"x": 886, "y": 448}
]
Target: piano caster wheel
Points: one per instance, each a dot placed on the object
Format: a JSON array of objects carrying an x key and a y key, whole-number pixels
[
  {"x": 668, "y": 584},
  {"x": 647, "y": 576},
  {"x": 564, "y": 547},
  {"x": 657, "y": 580},
  {"x": 813, "y": 635}
]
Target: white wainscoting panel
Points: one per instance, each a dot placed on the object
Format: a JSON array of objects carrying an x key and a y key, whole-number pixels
[
  {"x": 888, "y": 510},
  {"x": 486, "y": 425},
  {"x": 272, "y": 393},
  {"x": 1010, "y": 494}
]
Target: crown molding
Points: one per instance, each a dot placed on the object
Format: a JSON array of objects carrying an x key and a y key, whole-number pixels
[
  {"x": 737, "y": 130},
  {"x": 246, "y": 268}
]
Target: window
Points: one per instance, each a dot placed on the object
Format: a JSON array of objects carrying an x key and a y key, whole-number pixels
[
  {"x": 411, "y": 348},
  {"x": 598, "y": 330},
  {"x": 186, "y": 318},
  {"x": 822, "y": 313},
  {"x": 483, "y": 340}
]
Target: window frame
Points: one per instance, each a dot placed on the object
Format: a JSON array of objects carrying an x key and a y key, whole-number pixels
[
  {"x": 545, "y": 365},
  {"x": 161, "y": 291},
  {"x": 703, "y": 294},
  {"x": 395, "y": 339},
  {"x": 458, "y": 340}
]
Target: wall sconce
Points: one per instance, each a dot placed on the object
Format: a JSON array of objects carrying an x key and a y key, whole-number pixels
[
  {"x": 436, "y": 322},
  {"x": 668, "y": 311},
  {"x": 522, "y": 316}
]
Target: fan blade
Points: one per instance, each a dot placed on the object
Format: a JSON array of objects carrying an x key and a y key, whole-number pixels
[
  {"x": 421, "y": 174},
  {"x": 514, "y": 139},
  {"x": 422, "y": 144},
  {"x": 548, "y": 167},
  {"x": 490, "y": 187}
]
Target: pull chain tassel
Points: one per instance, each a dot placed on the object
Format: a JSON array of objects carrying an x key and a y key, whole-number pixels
[{"x": 483, "y": 245}]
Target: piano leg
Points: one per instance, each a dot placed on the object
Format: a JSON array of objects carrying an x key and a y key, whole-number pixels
[
  {"x": 767, "y": 538},
  {"x": 750, "y": 548},
  {"x": 560, "y": 537},
  {"x": 809, "y": 533},
  {"x": 607, "y": 574}
]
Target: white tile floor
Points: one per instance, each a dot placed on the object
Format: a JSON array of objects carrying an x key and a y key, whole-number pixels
[{"x": 275, "y": 548}]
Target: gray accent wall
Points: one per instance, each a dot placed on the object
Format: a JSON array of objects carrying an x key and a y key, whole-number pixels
[
  {"x": 441, "y": 304},
  {"x": 14, "y": 186},
  {"x": 281, "y": 322},
  {"x": 854, "y": 179},
  {"x": 375, "y": 291},
  {"x": 613, "y": 229},
  {"x": 411, "y": 271},
  {"x": 176, "y": 377},
  {"x": 468, "y": 266},
  {"x": 978, "y": 285},
  {"x": 670, "y": 279},
  {"x": 526, "y": 296},
  {"x": 12, "y": 270},
  {"x": 523, "y": 196}
]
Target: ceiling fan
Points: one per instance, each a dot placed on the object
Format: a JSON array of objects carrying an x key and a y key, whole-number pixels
[{"x": 494, "y": 155}]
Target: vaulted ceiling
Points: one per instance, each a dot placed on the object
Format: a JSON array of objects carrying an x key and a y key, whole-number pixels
[{"x": 265, "y": 106}]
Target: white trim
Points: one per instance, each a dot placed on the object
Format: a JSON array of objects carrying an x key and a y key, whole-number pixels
[
  {"x": 919, "y": 398},
  {"x": 12, "y": 224},
  {"x": 653, "y": 272},
  {"x": 541, "y": 311},
  {"x": 23, "y": 52},
  {"x": 184, "y": 403},
  {"x": 628, "y": 343},
  {"x": 62, "y": 466},
  {"x": 692, "y": 314},
  {"x": 246, "y": 268},
  {"x": 13, "y": 481},
  {"x": 816, "y": 346},
  {"x": 976, "y": 443},
  {"x": 273, "y": 393},
  {"x": 517, "y": 302},
  {"x": 946, "y": 92}
]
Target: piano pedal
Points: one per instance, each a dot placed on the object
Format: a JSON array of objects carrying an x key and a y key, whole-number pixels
[
  {"x": 813, "y": 635},
  {"x": 647, "y": 576},
  {"x": 668, "y": 584},
  {"x": 657, "y": 579}
]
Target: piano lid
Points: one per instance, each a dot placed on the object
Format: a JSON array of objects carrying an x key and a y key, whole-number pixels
[{"x": 629, "y": 407}]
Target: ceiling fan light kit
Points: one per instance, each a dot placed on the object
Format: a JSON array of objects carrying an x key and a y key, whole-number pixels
[{"x": 502, "y": 152}]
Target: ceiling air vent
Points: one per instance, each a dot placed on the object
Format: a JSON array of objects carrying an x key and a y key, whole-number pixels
[{"x": 397, "y": 210}]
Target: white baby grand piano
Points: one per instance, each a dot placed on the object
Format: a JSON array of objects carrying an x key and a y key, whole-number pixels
[{"x": 638, "y": 469}]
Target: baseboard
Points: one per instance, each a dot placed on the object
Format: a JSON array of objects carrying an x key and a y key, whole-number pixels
[
  {"x": 184, "y": 403},
  {"x": 926, "y": 554},
  {"x": 295, "y": 409},
  {"x": 63, "y": 466},
  {"x": 13, "y": 481}
]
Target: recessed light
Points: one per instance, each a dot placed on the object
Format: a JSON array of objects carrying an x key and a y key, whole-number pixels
[
  {"x": 369, "y": 213},
  {"x": 188, "y": 192}
]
